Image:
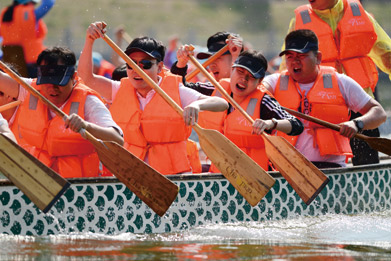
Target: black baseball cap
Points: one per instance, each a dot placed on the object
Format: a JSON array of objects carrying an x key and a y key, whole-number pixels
[
  {"x": 152, "y": 53},
  {"x": 55, "y": 74},
  {"x": 254, "y": 66},
  {"x": 301, "y": 41}
]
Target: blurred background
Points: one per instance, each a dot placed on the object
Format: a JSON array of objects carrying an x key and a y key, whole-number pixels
[{"x": 261, "y": 23}]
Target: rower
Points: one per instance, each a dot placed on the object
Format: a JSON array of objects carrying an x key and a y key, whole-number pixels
[{"x": 320, "y": 91}]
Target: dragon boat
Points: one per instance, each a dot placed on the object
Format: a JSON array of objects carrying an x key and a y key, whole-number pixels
[{"x": 104, "y": 205}]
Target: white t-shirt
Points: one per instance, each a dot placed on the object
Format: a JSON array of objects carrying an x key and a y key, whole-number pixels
[
  {"x": 355, "y": 97},
  {"x": 94, "y": 109}
]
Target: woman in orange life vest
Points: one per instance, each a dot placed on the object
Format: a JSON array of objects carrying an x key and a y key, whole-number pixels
[
  {"x": 153, "y": 130},
  {"x": 21, "y": 24},
  {"x": 247, "y": 73},
  {"x": 58, "y": 144}
]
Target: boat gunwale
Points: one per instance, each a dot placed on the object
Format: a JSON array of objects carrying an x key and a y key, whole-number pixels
[{"x": 214, "y": 176}]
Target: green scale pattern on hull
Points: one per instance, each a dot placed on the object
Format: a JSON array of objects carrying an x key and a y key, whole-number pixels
[{"x": 110, "y": 208}]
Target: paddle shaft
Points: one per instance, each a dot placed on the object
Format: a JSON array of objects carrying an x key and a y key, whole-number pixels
[
  {"x": 9, "y": 105},
  {"x": 322, "y": 122},
  {"x": 211, "y": 59}
]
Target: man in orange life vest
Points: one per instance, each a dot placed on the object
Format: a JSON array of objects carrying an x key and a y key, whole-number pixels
[
  {"x": 55, "y": 143},
  {"x": 247, "y": 73},
  {"x": 353, "y": 42},
  {"x": 153, "y": 130},
  {"x": 323, "y": 93},
  {"x": 22, "y": 25}
]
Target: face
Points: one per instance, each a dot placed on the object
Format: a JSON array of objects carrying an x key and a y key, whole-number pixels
[
  {"x": 139, "y": 84},
  {"x": 322, "y": 4},
  {"x": 55, "y": 93},
  {"x": 221, "y": 67},
  {"x": 303, "y": 67},
  {"x": 242, "y": 83}
]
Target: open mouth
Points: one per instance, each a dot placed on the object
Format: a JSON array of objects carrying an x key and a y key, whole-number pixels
[
  {"x": 240, "y": 87},
  {"x": 296, "y": 70}
]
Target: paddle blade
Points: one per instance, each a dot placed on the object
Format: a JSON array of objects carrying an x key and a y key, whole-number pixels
[
  {"x": 380, "y": 144},
  {"x": 150, "y": 186},
  {"x": 38, "y": 182},
  {"x": 306, "y": 179},
  {"x": 251, "y": 181}
]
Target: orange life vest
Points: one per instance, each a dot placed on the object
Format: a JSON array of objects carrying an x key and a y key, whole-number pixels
[
  {"x": 238, "y": 129},
  {"x": 158, "y": 130},
  {"x": 25, "y": 31},
  {"x": 353, "y": 40},
  {"x": 61, "y": 149},
  {"x": 323, "y": 101},
  {"x": 215, "y": 120}
]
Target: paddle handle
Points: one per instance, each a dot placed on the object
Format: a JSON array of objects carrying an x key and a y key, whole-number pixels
[
  {"x": 210, "y": 60},
  {"x": 322, "y": 122},
  {"x": 220, "y": 88},
  {"x": 9, "y": 105}
]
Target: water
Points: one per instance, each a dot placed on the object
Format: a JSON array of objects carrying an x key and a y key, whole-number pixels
[{"x": 328, "y": 237}]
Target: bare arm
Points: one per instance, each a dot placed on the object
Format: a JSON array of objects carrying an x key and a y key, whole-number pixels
[
  {"x": 204, "y": 103},
  {"x": 373, "y": 115},
  {"x": 76, "y": 123},
  {"x": 99, "y": 83}
]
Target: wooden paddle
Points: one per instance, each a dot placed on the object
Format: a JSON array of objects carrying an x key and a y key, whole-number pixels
[
  {"x": 9, "y": 105},
  {"x": 39, "y": 183},
  {"x": 150, "y": 186},
  {"x": 379, "y": 144},
  {"x": 207, "y": 62},
  {"x": 306, "y": 179},
  {"x": 245, "y": 175}
]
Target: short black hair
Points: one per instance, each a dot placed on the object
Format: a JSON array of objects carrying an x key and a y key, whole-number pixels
[
  {"x": 255, "y": 55},
  {"x": 54, "y": 54},
  {"x": 219, "y": 37},
  {"x": 301, "y": 37},
  {"x": 119, "y": 73},
  {"x": 149, "y": 45}
]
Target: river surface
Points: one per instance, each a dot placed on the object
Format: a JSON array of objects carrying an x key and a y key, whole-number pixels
[{"x": 328, "y": 237}]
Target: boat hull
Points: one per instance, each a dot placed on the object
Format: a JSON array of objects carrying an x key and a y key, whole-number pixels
[{"x": 107, "y": 206}]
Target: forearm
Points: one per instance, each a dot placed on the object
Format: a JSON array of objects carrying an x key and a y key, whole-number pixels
[
  {"x": 85, "y": 66},
  {"x": 374, "y": 117},
  {"x": 212, "y": 104},
  {"x": 105, "y": 133}
]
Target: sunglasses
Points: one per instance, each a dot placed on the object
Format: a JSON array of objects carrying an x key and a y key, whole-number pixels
[{"x": 144, "y": 64}]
